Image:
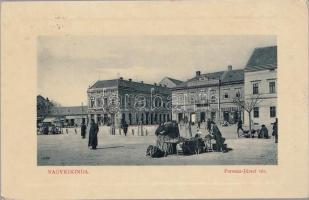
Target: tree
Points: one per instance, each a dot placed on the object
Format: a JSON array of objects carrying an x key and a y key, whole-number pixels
[
  {"x": 43, "y": 106},
  {"x": 248, "y": 105}
]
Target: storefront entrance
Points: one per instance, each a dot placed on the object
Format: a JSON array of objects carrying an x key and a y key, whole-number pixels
[
  {"x": 226, "y": 116},
  {"x": 213, "y": 116},
  {"x": 203, "y": 117},
  {"x": 180, "y": 117}
]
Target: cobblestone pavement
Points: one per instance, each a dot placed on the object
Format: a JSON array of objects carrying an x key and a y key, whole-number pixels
[{"x": 71, "y": 150}]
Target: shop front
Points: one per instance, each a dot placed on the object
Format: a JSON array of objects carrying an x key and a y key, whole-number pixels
[{"x": 231, "y": 114}]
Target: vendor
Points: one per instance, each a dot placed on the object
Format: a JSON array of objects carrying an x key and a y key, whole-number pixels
[
  {"x": 159, "y": 129},
  {"x": 218, "y": 137}
]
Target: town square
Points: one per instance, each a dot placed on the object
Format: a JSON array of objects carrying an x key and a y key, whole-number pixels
[
  {"x": 70, "y": 149},
  {"x": 223, "y": 116}
]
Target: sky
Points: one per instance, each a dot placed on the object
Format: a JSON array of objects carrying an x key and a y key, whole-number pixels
[{"x": 68, "y": 65}]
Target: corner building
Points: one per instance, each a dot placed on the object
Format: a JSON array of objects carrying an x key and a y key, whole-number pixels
[
  {"x": 261, "y": 80},
  {"x": 128, "y": 101}
]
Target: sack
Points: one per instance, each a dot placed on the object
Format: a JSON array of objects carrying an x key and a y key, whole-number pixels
[
  {"x": 149, "y": 149},
  {"x": 193, "y": 145},
  {"x": 154, "y": 152}
]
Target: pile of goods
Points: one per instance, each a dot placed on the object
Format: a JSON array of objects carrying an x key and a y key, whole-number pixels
[
  {"x": 167, "y": 132},
  {"x": 248, "y": 135},
  {"x": 193, "y": 145},
  {"x": 154, "y": 152},
  {"x": 170, "y": 142}
]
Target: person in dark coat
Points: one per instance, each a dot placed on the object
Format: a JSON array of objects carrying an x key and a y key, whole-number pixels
[
  {"x": 93, "y": 134},
  {"x": 239, "y": 127},
  {"x": 125, "y": 128},
  {"x": 263, "y": 132},
  {"x": 275, "y": 130},
  {"x": 45, "y": 130},
  {"x": 83, "y": 130},
  {"x": 218, "y": 137},
  {"x": 208, "y": 125}
]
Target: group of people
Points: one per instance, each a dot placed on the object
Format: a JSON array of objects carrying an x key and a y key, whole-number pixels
[
  {"x": 93, "y": 133},
  {"x": 263, "y": 132},
  {"x": 214, "y": 133}
]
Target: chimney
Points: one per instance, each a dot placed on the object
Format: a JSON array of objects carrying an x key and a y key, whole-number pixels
[
  {"x": 155, "y": 84},
  {"x": 198, "y": 73},
  {"x": 130, "y": 79},
  {"x": 229, "y": 68},
  {"x": 121, "y": 78}
]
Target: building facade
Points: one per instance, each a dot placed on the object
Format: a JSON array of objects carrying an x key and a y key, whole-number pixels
[
  {"x": 120, "y": 101},
  {"x": 209, "y": 96},
  {"x": 261, "y": 82},
  {"x": 67, "y": 116}
]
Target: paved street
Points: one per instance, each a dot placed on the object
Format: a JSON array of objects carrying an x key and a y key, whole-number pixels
[{"x": 71, "y": 149}]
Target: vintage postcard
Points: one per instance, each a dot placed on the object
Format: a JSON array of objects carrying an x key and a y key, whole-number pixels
[{"x": 121, "y": 100}]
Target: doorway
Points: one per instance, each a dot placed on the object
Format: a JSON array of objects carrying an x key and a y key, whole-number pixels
[
  {"x": 203, "y": 117},
  {"x": 180, "y": 117},
  {"x": 226, "y": 116}
]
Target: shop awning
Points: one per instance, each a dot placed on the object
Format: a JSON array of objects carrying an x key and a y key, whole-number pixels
[
  {"x": 49, "y": 119},
  {"x": 75, "y": 117}
]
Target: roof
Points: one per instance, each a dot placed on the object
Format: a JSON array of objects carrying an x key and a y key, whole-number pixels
[
  {"x": 71, "y": 110},
  {"x": 121, "y": 83},
  {"x": 226, "y": 77},
  {"x": 232, "y": 76},
  {"x": 105, "y": 83},
  {"x": 177, "y": 82},
  {"x": 170, "y": 82},
  {"x": 262, "y": 58}
]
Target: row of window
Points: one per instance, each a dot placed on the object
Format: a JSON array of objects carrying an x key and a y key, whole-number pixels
[
  {"x": 226, "y": 95},
  {"x": 271, "y": 86},
  {"x": 193, "y": 97},
  {"x": 272, "y": 112},
  {"x": 99, "y": 102}
]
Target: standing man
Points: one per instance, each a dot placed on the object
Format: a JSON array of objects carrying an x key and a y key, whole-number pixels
[
  {"x": 239, "y": 127},
  {"x": 83, "y": 130},
  {"x": 125, "y": 128},
  {"x": 275, "y": 130},
  {"x": 93, "y": 135}
]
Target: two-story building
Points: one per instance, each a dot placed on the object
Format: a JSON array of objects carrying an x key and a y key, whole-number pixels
[
  {"x": 210, "y": 96},
  {"x": 261, "y": 82},
  {"x": 120, "y": 100}
]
